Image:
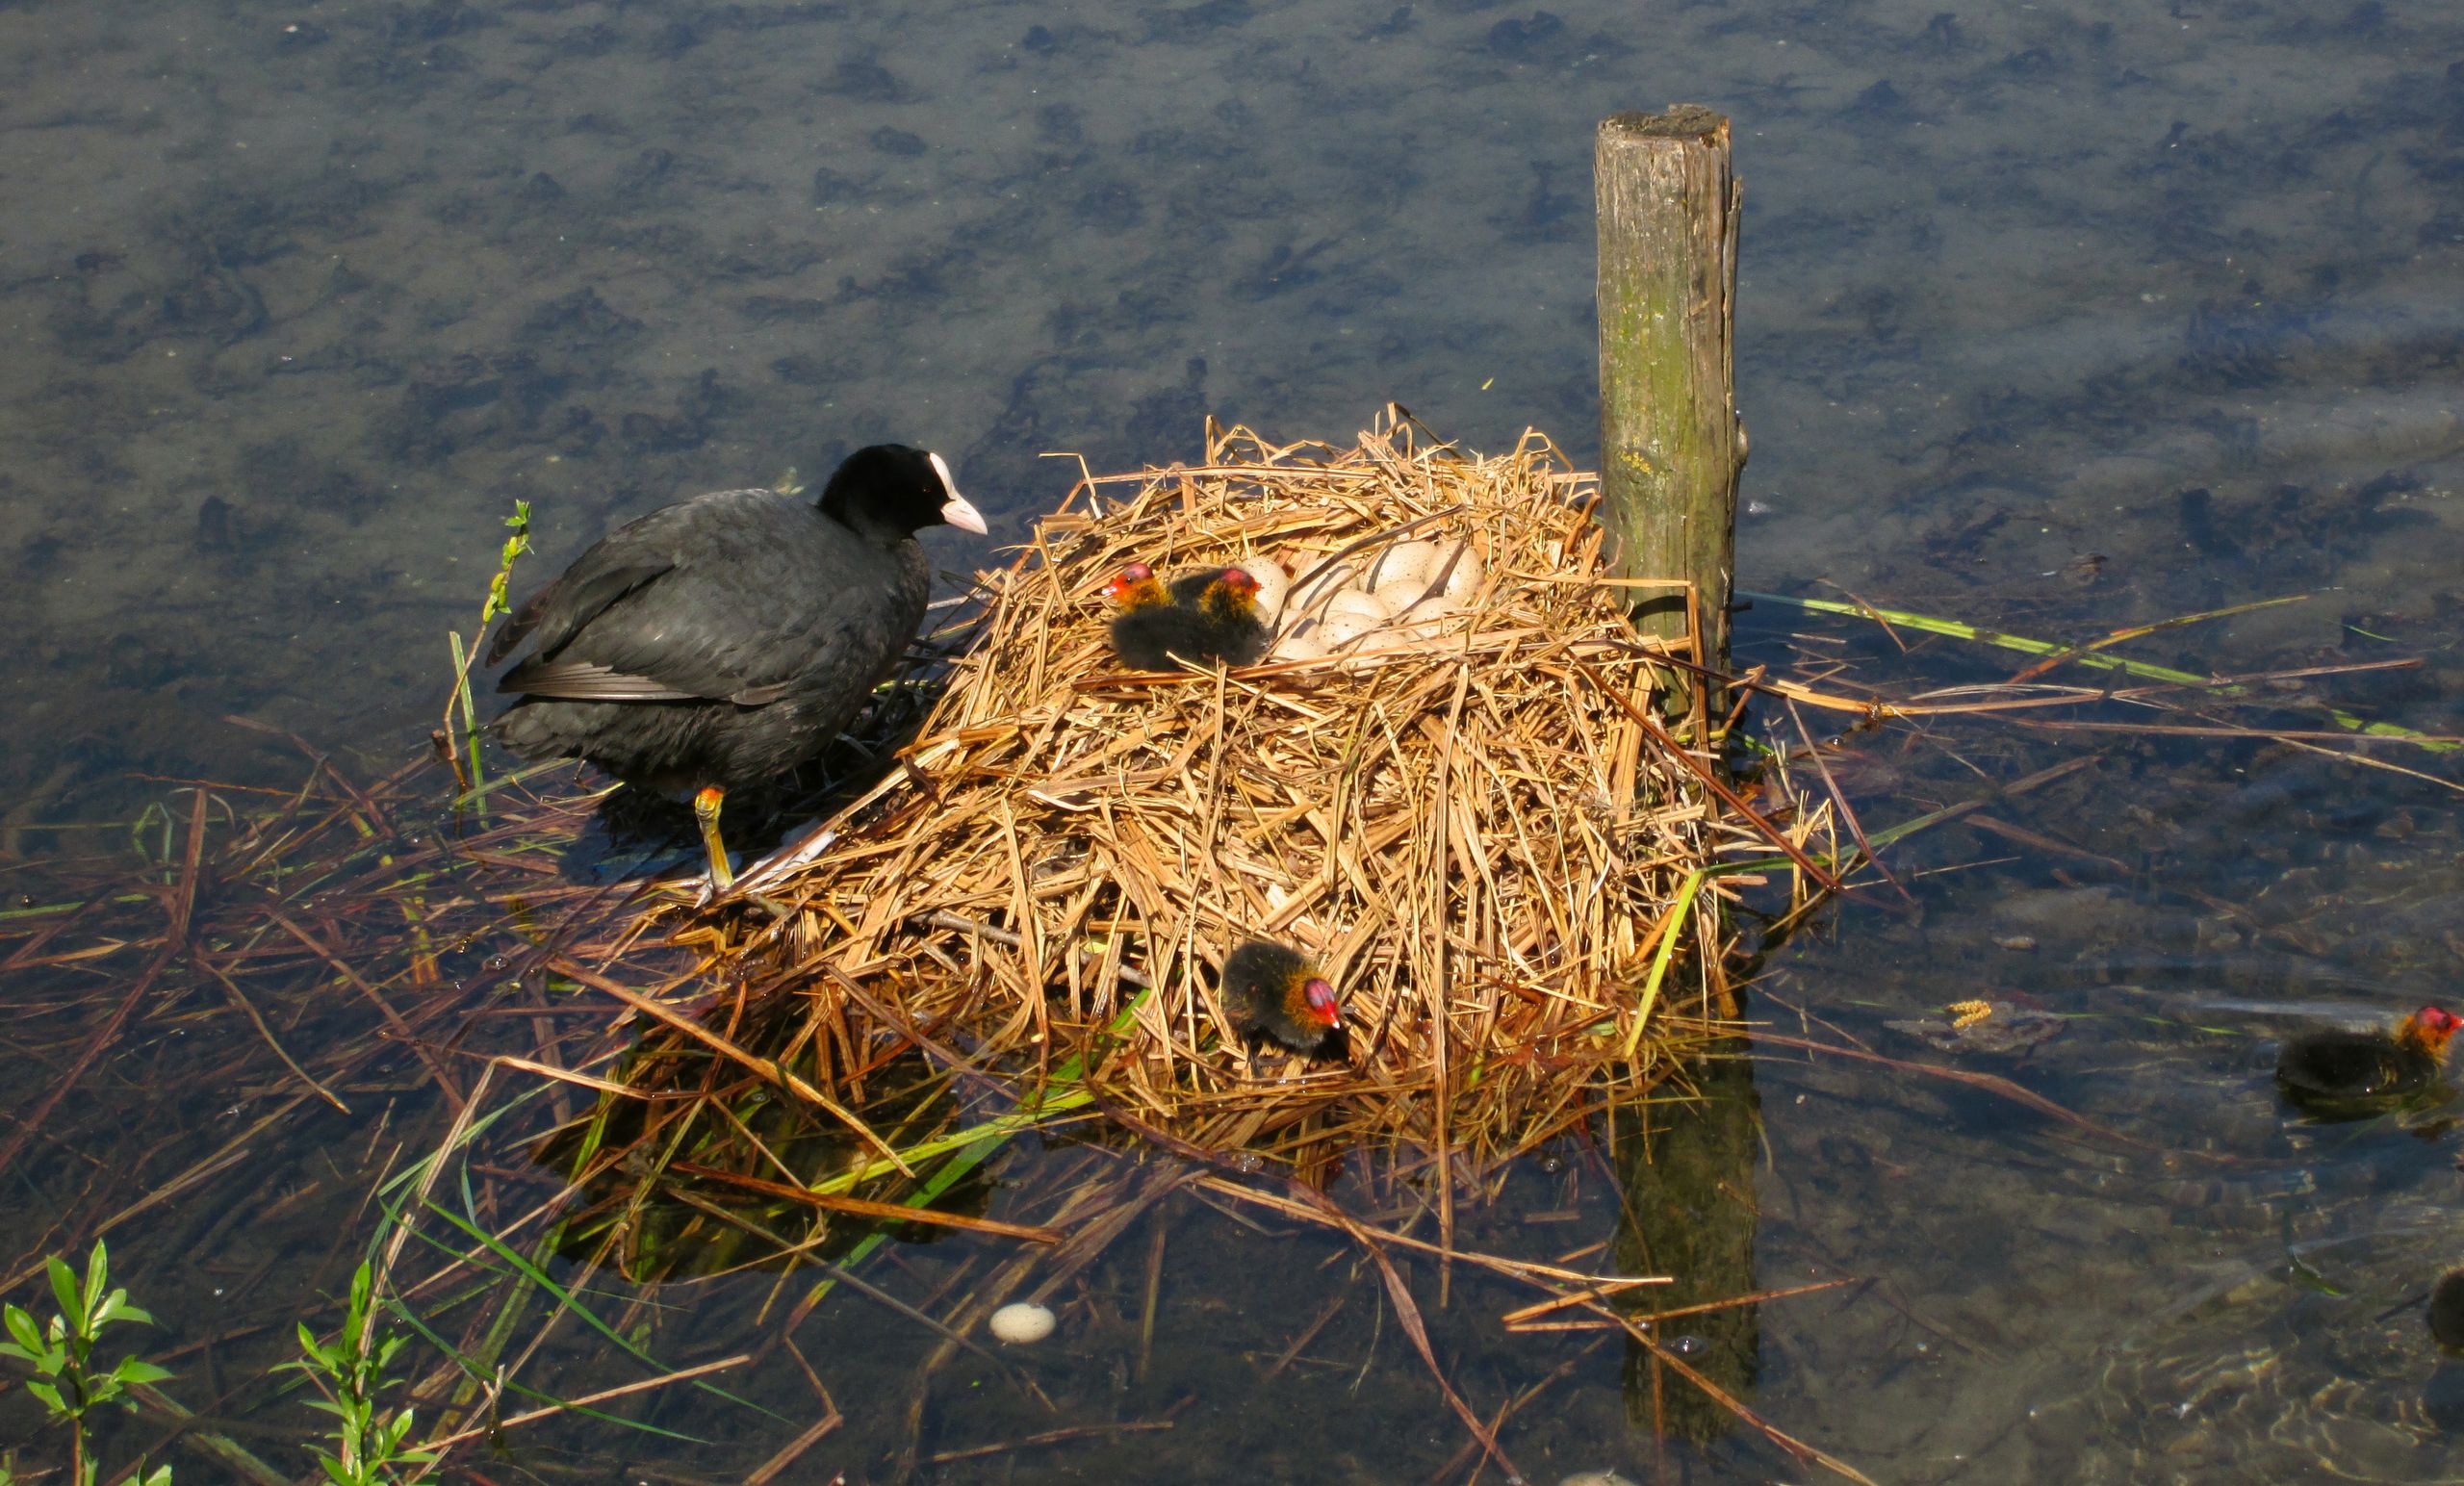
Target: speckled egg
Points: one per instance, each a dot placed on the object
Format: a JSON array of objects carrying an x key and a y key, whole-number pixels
[{"x": 1021, "y": 1322}]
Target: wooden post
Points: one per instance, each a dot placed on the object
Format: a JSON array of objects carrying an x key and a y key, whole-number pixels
[{"x": 1670, "y": 441}]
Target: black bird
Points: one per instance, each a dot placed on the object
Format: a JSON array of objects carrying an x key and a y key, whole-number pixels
[
  {"x": 2338, "y": 1072},
  {"x": 2447, "y": 1309},
  {"x": 1222, "y": 624},
  {"x": 719, "y": 642},
  {"x": 1273, "y": 992}
]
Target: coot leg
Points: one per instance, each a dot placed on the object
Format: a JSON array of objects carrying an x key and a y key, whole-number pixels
[{"x": 705, "y": 809}]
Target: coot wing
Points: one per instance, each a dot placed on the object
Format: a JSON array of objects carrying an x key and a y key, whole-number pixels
[
  {"x": 618, "y": 565},
  {"x": 750, "y": 595},
  {"x": 579, "y": 680},
  {"x": 566, "y": 604}
]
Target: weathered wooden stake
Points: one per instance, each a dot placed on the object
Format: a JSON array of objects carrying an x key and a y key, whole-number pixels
[{"x": 1670, "y": 441}]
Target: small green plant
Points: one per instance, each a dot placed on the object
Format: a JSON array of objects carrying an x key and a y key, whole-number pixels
[
  {"x": 501, "y": 587},
  {"x": 500, "y": 600},
  {"x": 369, "y": 1444},
  {"x": 62, "y": 1355}
]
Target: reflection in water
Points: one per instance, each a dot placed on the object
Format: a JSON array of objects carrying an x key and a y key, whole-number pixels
[
  {"x": 701, "y": 1180},
  {"x": 1687, "y": 1173},
  {"x": 2315, "y": 1369}
]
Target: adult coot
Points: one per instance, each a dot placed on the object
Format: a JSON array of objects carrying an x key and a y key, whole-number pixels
[
  {"x": 1273, "y": 992},
  {"x": 722, "y": 641},
  {"x": 2337, "y": 1071}
]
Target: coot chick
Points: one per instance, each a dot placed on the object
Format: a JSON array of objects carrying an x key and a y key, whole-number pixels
[
  {"x": 1273, "y": 992},
  {"x": 1137, "y": 587},
  {"x": 2447, "y": 1309},
  {"x": 1222, "y": 624},
  {"x": 2340, "y": 1071},
  {"x": 720, "y": 642}
]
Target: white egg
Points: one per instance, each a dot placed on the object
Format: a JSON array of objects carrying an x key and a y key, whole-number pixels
[
  {"x": 1302, "y": 644},
  {"x": 1021, "y": 1322},
  {"x": 1344, "y": 629},
  {"x": 1311, "y": 596},
  {"x": 1424, "y": 621},
  {"x": 1401, "y": 560},
  {"x": 1434, "y": 606},
  {"x": 1357, "y": 612},
  {"x": 1350, "y": 616},
  {"x": 1401, "y": 593},
  {"x": 1368, "y": 606},
  {"x": 1273, "y": 583},
  {"x": 1594, "y": 1478},
  {"x": 1463, "y": 577}
]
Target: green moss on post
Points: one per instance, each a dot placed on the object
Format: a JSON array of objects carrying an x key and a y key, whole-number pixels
[{"x": 1670, "y": 441}]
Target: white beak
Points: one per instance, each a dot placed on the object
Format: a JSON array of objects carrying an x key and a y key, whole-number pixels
[{"x": 958, "y": 513}]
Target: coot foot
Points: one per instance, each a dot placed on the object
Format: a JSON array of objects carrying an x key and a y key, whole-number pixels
[{"x": 706, "y": 811}]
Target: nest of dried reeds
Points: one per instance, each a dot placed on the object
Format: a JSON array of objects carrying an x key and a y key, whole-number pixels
[{"x": 1489, "y": 839}]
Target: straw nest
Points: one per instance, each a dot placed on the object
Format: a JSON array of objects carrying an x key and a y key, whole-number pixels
[{"x": 1482, "y": 835}]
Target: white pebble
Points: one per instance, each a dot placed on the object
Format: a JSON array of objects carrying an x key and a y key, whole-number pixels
[
  {"x": 1023, "y": 1322},
  {"x": 1594, "y": 1478}
]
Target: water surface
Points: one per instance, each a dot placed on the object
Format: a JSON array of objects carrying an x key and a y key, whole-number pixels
[{"x": 2056, "y": 317}]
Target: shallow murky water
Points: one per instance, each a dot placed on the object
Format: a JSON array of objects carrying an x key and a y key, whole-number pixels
[{"x": 2057, "y": 317}]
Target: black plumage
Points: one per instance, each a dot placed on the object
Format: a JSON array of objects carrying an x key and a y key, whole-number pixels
[
  {"x": 1189, "y": 588},
  {"x": 1219, "y": 622},
  {"x": 722, "y": 641},
  {"x": 2447, "y": 1309},
  {"x": 1272, "y": 992},
  {"x": 2337, "y": 1070}
]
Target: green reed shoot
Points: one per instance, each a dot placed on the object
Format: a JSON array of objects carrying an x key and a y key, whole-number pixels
[
  {"x": 499, "y": 600},
  {"x": 2090, "y": 655},
  {"x": 61, "y": 1354},
  {"x": 369, "y": 1442}
]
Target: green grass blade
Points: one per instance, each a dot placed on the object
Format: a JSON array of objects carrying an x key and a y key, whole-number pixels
[
  {"x": 1663, "y": 957},
  {"x": 567, "y": 1299},
  {"x": 2073, "y": 654},
  {"x": 1060, "y": 1094}
]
